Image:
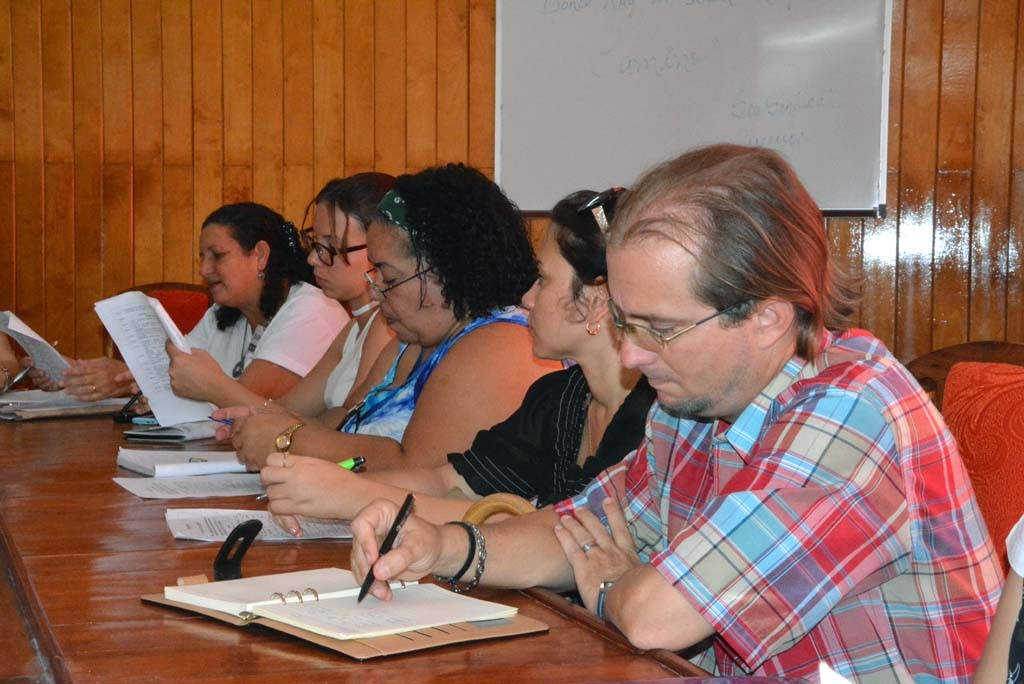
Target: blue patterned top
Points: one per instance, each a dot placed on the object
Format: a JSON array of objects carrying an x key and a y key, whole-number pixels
[{"x": 385, "y": 411}]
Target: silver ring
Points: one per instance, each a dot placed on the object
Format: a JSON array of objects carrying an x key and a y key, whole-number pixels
[
  {"x": 589, "y": 545},
  {"x": 284, "y": 459}
]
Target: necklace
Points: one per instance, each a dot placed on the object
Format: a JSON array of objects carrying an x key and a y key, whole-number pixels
[
  {"x": 365, "y": 308},
  {"x": 236, "y": 372}
]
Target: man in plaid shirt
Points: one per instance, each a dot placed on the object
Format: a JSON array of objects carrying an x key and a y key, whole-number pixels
[{"x": 797, "y": 497}]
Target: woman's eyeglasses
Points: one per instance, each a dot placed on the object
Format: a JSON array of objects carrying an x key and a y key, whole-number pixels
[
  {"x": 324, "y": 252},
  {"x": 383, "y": 290}
]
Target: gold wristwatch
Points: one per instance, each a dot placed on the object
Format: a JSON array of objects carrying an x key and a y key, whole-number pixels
[{"x": 283, "y": 442}]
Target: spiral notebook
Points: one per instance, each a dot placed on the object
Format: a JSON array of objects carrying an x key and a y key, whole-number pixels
[{"x": 320, "y": 606}]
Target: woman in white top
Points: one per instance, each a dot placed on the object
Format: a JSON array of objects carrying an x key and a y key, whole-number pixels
[
  {"x": 337, "y": 252},
  {"x": 268, "y": 325}
]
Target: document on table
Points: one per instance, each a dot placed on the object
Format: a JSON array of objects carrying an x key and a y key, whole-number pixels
[
  {"x": 44, "y": 356},
  {"x": 29, "y": 404},
  {"x": 214, "y": 524},
  {"x": 140, "y": 327},
  {"x": 207, "y": 486},
  {"x": 160, "y": 463}
]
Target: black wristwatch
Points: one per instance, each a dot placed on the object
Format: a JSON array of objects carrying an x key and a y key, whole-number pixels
[{"x": 601, "y": 592}]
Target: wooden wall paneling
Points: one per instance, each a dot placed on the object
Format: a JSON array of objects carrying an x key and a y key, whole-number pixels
[
  {"x": 267, "y": 104},
  {"x": 452, "y": 81},
  {"x": 7, "y": 268},
  {"x": 28, "y": 165},
  {"x": 917, "y": 178},
  {"x": 878, "y": 269},
  {"x": 147, "y": 138},
  {"x": 116, "y": 31},
  {"x": 537, "y": 227},
  {"x": 179, "y": 249},
  {"x": 481, "y": 84},
  {"x": 88, "y": 173},
  {"x": 953, "y": 180},
  {"x": 389, "y": 112},
  {"x": 58, "y": 173},
  {"x": 298, "y": 108},
  {"x": 845, "y": 237},
  {"x": 359, "y": 86},
  {"x": 421, "y": 85},
  {"x": 207, "y": 116},
  {"x": 1015, "y": 269},
  {"x": 328, "y": 92},
  {"x": 990, "y": 198},
  {"x": 238, "y": 100},
  {"x": 878, "y": 244}
]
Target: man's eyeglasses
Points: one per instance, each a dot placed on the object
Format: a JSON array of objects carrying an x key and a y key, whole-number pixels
[
  {"x": 324, "y": 252},
  {"x": 383, "y": 291},
  {"x": 650, "y": 339}
]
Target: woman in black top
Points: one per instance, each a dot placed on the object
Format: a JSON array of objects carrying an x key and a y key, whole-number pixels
[{"x": 571, "y": 425}]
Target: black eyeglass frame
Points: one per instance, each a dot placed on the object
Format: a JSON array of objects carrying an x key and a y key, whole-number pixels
[
  {"x": 322, "y": 248},
  {"x": 383, "y": 291}
]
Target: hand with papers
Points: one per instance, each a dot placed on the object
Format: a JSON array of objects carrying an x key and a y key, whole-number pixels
[{"x": 194, "y": 375}]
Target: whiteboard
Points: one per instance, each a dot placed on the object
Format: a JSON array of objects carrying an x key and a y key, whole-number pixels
[{"x": 592, "y": 92}]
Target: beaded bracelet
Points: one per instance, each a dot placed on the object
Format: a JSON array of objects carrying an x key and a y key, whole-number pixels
[{"x": 476, "y": 544}]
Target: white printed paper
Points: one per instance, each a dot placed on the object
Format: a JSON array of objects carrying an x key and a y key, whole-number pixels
[
  {"x": 207, "y": 486},
  {"x": 140, "y": 327},
  {"x": 160, "y": 463},
  {"x": 44, "y": 356},
  {"x": 213, "y": 524}
]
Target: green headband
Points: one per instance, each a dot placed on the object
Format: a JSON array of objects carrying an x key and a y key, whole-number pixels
[{"x": 394, "y": 209}]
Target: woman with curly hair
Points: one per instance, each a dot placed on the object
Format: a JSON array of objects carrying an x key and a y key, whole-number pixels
[
  {"x": 450, "y": 261},
  {"x": 571, "y": 425}
]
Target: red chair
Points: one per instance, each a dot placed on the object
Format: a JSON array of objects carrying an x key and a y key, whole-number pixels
[
  {"x": 979, "y": 387},
  {"x": 185, "y": 304},
  {"x": 984, "y": 408}
]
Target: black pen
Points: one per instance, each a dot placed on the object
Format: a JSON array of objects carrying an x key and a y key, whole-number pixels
[
  {"x": 403, "y": 513},
  {"x": 131, "y": 402}
]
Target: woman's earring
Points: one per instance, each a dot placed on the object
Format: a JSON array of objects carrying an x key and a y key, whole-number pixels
[
  {"x": 593, "y": 331},
  {"x": 261, "y": 275}
]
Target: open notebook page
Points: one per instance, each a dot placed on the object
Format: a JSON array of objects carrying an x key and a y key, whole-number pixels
[{"x": 418, "y": 606}]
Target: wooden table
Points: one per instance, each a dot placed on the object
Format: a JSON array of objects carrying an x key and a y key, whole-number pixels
[{"x": 80, "y": 551}]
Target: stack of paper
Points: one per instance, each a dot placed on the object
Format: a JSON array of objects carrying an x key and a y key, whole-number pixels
[
  {"x": 29, "y": 404},
  {"x": 158, "y": 463}
]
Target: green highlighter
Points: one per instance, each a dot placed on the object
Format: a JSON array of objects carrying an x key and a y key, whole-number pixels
[{"x": 353, "y": 463}]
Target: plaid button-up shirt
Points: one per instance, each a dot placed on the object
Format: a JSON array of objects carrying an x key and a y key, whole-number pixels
[{"x": 832, "y": 521}]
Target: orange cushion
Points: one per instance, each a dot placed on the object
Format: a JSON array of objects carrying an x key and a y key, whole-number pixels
[
  {"x": 983, "y": 404},
  {"x": 183, "y": 306}
]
